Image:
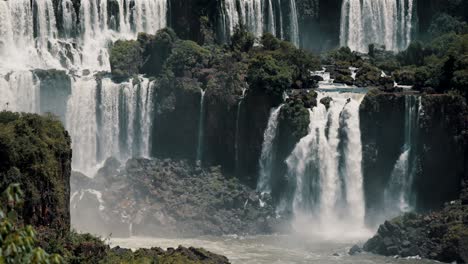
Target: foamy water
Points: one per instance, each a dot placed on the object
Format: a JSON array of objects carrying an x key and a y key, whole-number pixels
[{"x": 268, "y": 249}]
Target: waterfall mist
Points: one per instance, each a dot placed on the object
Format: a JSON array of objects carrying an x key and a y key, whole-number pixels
[{"x": 325, "y": 167}]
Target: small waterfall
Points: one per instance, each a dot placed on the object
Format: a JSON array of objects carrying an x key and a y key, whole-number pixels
[
  {"x": 326, "y": 166},
  {"x": 382, "y": 22},
  {"x": 201, "y": 121},
  {"x": 69, "y": 18},
  {"x": 236, "y": 145},
  {"x": 261, "y": 16},
  {"x": 294, "y": 24},
  {"x": 19, "y": 92},
  {"x": 398, "y": 193},
  {"x": 267, "y": 156},
  {"x": 82, "y": 124}
]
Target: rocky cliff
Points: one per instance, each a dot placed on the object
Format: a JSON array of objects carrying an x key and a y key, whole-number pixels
[{"x": 439, "y": 148}]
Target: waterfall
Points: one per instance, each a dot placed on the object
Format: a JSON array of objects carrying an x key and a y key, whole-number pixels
[
  {"x": 259, "y": 17},
  {"x": 236, "y": 145},
  {"x": 326, "y": 166},
  {"x": 267, "y": 155},
  {"x": 103, "y": 118},
  {"x": 201, "y": 121},
  {"x": 19, "y": 92},
  {"x": 109, "y": 120},
  {"x": 381, "y": 22},
  {"x": 398, "y": 193},
  {"x": 82, "y": 124},
  {"x": 294, "y": 24}
]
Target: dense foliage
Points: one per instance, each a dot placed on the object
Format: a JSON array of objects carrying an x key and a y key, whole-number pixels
[
  {"x": 125, "y": 59},
  {"x": 35, "y": 152},
  {"x": 18, "y": 242}
]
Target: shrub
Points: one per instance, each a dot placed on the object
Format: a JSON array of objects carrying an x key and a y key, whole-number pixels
[
  {"x": 186, "y": 55},
  {"x": 125, "y": 59},
  {"x": 268, "y": 74},
  {"x": 242, "y": 40},
  {"x": 18, "y": 242}
]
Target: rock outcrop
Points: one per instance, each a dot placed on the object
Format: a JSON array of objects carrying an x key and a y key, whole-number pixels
[
  {"x": 439, "y": 148},
  {"x": 441, "y": 235},
  {"x": 172, "y": 198}
]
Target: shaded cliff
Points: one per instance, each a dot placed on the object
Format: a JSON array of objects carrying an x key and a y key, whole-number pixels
[{"x": 438, "y": 151}]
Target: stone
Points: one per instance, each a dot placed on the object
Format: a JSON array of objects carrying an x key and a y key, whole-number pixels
[{"x": 355, "y": 250}]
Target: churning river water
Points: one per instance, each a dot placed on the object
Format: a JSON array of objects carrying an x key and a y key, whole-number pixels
[{"x": 271, "y": 249}]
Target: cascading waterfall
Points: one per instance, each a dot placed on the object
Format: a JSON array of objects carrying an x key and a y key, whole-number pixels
[
  {"x": 381, "y": 22},
  {"x": 104, "y": 118},
  {"x": 326, "y": 165},
  {"x": 398, "y": 193},
  {"x": 109, "y": 120},
  {"x": 19, "y": 92},
  {"x": 201, "y": 121},
  {"x": 267, "y": 155},
  {"x": 261, "y": 16}
]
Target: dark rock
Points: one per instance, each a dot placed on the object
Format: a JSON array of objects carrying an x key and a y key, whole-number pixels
[
  {"x": 354, "y": 250},
  {"x": 326, "y": 101},
  {"x": 166, "y": 197}
]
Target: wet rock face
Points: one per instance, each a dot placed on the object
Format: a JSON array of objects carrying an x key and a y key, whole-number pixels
[
  {"x": 167, "y": 197},
  {"x": 440, "y": 235},
  {"x": 382, "y": 133},
  {"x": 439, "y": 148}
]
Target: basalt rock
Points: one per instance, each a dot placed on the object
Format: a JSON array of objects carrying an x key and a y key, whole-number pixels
[
  {"x": 174, "y": 198},
  {"x": 439, "y": 148},
  {"x": 439, "y": 235}
]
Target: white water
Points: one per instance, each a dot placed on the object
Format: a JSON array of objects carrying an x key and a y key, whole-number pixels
[
  {"x": 30, "y": 42},
  {"x": 123, "y": 130},
  {"x": 236, "y": 144},
  {"x": 326, "y": 165},
  {"x": 269, "y": 249},
  {"x": 267, "y": 155},
  {"x": 381, "y": 22},
  {"x": 201, "y": 121},
  {"x": 19, "y": 92},
  {"x": 398, "y": 193},
  {"x": 261, "y": 16}
]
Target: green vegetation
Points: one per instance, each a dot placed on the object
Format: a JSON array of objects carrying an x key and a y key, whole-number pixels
[
  {"x": 125, "y": 59},
  {"x": 18, "y": 242},
  {"x": 35, "y": 152},
  {"x": 269, "y": 74}
]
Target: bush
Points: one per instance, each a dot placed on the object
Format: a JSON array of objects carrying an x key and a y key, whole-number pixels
[
  {"x": 268, "y": 74},
  {"x": 125, "y": 59},
  {"x": 242, "y": 40},
  {"x": 157, "y": 50},
  {"x": 18, "y": 242},
  {"x": 185, "y": 56},
  {"x": 445, "y": 23},
  {"x": 270, "y": 42}
]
